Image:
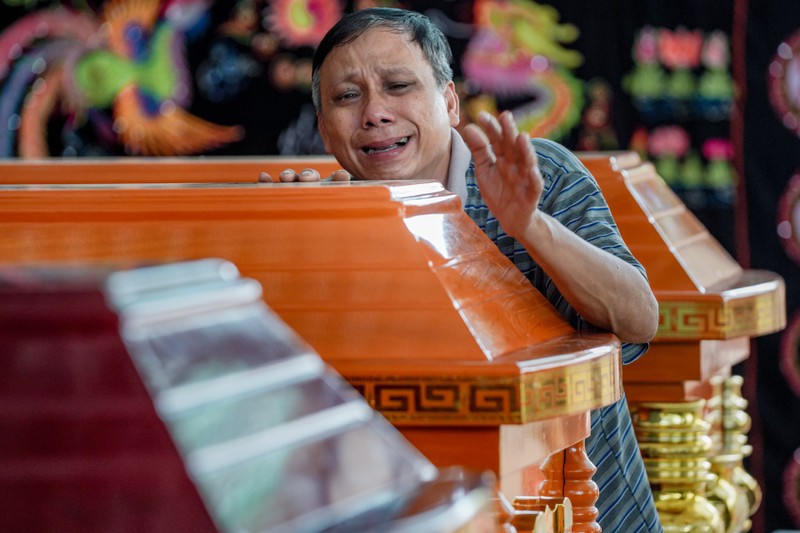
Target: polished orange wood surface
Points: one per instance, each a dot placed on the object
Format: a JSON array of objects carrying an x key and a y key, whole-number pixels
[
  {"x": 709, "y": 306},
  {"x": 390, "y": 283},
  {"x": 702, "y": 291},
  {"x": 155, "y": 170}
]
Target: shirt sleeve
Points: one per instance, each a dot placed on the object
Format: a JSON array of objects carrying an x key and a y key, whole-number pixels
[{"x": 572, "y": 196}]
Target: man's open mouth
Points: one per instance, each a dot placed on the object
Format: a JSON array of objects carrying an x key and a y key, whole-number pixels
[{"x": 369, "y": 150}]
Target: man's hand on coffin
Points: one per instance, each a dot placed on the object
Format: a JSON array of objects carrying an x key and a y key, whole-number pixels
[{"x": 306, "y": 175}]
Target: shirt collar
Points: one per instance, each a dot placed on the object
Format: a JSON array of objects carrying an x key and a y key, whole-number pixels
[{"x": 460, "y": 157}]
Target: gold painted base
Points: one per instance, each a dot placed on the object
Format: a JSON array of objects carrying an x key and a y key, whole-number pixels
[
  {"x": 729, "y": 421},
  {"x": 674, "y": 441},
  {"x": 687, "y": 512}
]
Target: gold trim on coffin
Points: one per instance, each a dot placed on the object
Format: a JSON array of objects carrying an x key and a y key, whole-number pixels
[
  {"x": 422, "y": 400},
  {"x": 750, "y": 316}
]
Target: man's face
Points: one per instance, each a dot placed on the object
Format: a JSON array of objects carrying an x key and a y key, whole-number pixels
[{"x": 383, "y": 116}]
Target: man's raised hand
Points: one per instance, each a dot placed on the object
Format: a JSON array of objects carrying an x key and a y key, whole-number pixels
[{"x": 507, "y": 170}]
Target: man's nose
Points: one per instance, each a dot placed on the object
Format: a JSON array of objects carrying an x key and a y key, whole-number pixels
[{"x": 376, "y": 112}]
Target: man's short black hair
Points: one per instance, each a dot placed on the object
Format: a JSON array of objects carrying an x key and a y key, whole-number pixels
[{"x": 417, "y": 26}]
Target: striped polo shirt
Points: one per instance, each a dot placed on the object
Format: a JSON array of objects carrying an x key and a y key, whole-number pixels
[{"x": 571, "y": 195}]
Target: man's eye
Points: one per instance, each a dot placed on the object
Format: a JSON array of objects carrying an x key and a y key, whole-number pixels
[
  {"x": 346, "y": 96},
  {"x": 399, "y": 86}
]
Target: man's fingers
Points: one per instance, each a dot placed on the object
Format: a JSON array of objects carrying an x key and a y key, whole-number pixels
[
  {"x": 287, "y": 176},
  {"x": 488, "y": 122},
  {"x": 508, "y": 124},
  {"x": 490, "y": 126},
  {"x": 309, "y": 174},
  {"x": 502, "y": 133},
  {"x": 340, "y": 175},
  {"x": 524, "y": 148},
  {"x": 478, "y": 144}
]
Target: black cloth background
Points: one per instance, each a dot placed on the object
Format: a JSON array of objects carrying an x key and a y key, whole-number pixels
[{"x": 770, "y": 156}]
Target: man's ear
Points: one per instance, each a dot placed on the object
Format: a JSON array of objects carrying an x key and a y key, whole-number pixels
[
  {"x": 323, "y": 132},
  {"x": 453, "y": 105}
]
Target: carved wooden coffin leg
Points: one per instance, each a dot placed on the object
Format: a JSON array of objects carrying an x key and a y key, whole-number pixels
[{"x": 568, "y": 474}]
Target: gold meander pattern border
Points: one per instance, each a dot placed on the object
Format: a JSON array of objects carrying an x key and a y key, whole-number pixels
[
  {"x": 751, "y": 316},
  {"x": 421, "y": 400}
]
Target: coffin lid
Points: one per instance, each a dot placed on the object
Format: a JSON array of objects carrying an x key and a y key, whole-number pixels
[
  {"x": 175, "y": 389},
  {"x": 703, "y": 293},
  {"x": 390, "y": 282}
]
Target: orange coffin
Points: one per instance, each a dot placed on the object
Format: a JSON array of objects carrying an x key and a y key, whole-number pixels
[
  {"x": 390, "y": 283},
  {"x": 709, "y": 306}
]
